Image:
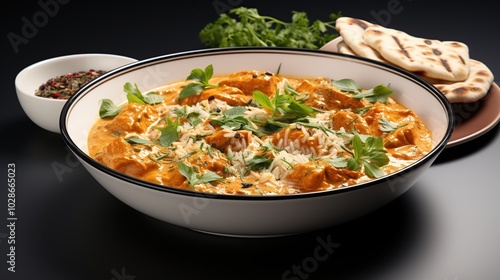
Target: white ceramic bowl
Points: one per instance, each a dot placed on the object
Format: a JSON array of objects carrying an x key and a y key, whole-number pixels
[
  {"x": 44, "y": 111},
  {"x": 256, "y": 215}
]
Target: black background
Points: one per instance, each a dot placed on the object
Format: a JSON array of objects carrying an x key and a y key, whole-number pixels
[{"x": 70, "y": 228}]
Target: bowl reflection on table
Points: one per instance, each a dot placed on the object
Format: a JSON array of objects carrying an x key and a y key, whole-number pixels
[
  {"x": 44, "y": 111},
  {"x": 239, "y": 215}
]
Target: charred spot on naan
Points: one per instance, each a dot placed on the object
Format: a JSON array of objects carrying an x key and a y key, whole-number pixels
[
  {"x": 472, "y": 89},
  {"x": 436, "y": 59},
  {"x": 351, "y": 30}
]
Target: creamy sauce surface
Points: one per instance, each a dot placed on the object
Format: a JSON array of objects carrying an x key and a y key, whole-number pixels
[{"x": 222, "y": 141}]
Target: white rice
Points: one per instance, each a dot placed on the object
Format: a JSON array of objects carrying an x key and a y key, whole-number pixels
[{"x": 287, "y": 153}]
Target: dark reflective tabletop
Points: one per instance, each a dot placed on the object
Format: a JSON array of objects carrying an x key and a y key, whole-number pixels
[{"x": 447, "y": 226}]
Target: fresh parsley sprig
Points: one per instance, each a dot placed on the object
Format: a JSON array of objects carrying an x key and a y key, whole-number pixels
[
  {"x": 200, "y": 81},
  {"x": 135, "y": 95},
  {"x": 305, "y": 122},
  {"x": 386, "y": 126},
  {"x": 110, "y": 109},
  {"x": 195, "y": 178},
  {"x": 259, "y": 162},
  {"x": 246, "y": 27},
  {"x": 169, "y": 134},
  {"x": 140, "y": 141},
  {"x": 379, "y": 93},
  {"x": 284, "y": 109},
  {"x": 283, "y": 106},
  {"x": 192, "y": 117},
  {"x": 234, "y": 119},
  {"x": 368, "y": 154}
]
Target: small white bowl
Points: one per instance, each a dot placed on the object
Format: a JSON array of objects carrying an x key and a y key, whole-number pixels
[{"x": 45, "y": 111}]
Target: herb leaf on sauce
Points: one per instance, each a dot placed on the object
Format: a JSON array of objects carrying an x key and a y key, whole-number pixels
[
  {"x": 137, "y": 140},
  {"x": 285, "y": 109},
  {"x": 259, "y": 162},
  {"x": 386, "y": 126},
  {"x": 338, "y": 162},
  {"x": 195, "y": 178},
  {"x": 169, "y": 134},
  {"x": 201, "y": 81},
  {"x": 348, "y": 85},
  {"x": 135, "y": 95},
  {"x": 193, "y": 117},
  {"x": 379, "y": 93},
  {"x": 368, "y": 153},
  {"x": 233, "y": 118},
  {"x": 283, "y": 106},
  {"x": 108, "y": 109}
]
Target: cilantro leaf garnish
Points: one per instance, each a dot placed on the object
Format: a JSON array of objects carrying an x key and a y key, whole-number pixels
[
  {"x": 348, "y": 85},
  {"x": 386, "y": 126},
  {"x": 379, "y": 93},
  {"x": 108, "y": 109},
  {"x": 283, "y": 106},
  {"x": 169, "y": 134},
  {"x": 264, "y": 100},
  {"x": 135, "y": 95},
  {"x": 234, "y": 119},
  {"x": 246, "y": 27},
  {"x": 285, "y": 109},
  {"x": 193, "y": 117},
  {"x": 153, "y": 98},
  {"x": 368, "y": 154},
  {"x": 259, "y": 162},
  {"x": 200, "y": 81},
  {"x": 137, "y": 140},
  {"x": 338, "y": 162},
  {"x": 306, "y": 123},
  {"x": 195, "y": 178},
  {"x": 363, "y": 110}
]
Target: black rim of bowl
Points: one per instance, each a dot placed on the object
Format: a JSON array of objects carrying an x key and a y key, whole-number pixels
[{"x": 221, "y": 51}]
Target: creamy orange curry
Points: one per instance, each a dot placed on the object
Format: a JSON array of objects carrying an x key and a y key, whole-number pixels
[{"x": 258, "y": 133}]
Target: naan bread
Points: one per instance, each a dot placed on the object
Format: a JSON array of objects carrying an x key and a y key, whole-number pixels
[
  {"x": 351, "y": 30},
  {"x": 475, "y": 87},
  {"x": 342, "y": 47},
  {"x": 445, "y": 64},
  {"x": 445, "y": 60}
]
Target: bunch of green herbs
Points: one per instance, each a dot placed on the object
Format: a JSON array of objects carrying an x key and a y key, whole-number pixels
[{"x": 246, "y": 27}]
